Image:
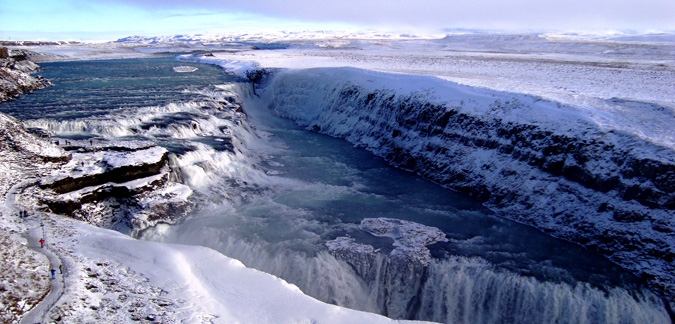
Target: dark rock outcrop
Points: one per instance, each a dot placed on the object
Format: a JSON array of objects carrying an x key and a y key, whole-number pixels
[
  {"x": 116, "y": 175},
  {"x": 125, "y": 187},
  {"x": 15, "y": 78}
]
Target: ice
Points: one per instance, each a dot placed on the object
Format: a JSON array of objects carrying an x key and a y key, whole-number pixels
[
  {"x": 195, "y": 281},
  {"x": 184, "y": 69},
  {"x": 410, "y": 238}
]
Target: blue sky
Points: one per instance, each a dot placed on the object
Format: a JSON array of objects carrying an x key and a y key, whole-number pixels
[{"x": 111, "y": 19}]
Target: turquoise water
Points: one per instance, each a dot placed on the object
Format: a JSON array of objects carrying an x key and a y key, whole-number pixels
[{"x": 92, "y": 88}]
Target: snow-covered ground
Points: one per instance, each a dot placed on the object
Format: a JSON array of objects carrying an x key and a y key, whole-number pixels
[{"x": 599, "y": 79}]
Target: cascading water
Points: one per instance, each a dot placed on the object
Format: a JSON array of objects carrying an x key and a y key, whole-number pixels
[{"x": 302, "y": 206}]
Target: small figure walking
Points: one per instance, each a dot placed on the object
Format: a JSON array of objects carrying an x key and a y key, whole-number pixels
[
  {"x": 53, "y": 273},
  {"x": 42, "y": 243},
  {"x": 91, "y": 142},
  {"x": 61, "y": 268}
]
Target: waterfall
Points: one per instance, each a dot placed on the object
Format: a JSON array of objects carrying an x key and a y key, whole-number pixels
[{"x": 450, "y": 290}]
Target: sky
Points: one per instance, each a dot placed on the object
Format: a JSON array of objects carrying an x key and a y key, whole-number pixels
[{"x": 112, "y": 19}]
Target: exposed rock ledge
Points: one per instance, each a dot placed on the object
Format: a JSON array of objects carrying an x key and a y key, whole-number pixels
[
  {"x": 129, "y": 186},
  {"x": 15, "y": 78}
]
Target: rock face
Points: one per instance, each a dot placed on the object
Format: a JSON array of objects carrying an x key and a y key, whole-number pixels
[
  {"x": 128, "y": 186},
  {"x": 405, "y": 268},
  {"x": 15, "y": 77},
  {"x": 607, "y": 190}
]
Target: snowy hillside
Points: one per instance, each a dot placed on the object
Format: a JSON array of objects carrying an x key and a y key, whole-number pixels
[{"x": 15, "y": 78}]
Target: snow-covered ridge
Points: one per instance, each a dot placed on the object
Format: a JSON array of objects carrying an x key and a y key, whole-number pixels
[
  {"x": 264, "y": 37},
  {"x": 16, "y": 136},
  {"x": 534, "y": 161}
]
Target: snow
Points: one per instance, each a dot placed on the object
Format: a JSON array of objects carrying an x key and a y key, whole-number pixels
[
  {"x": 497, "y": 142},
  {"x": 23, "y": 282},
  {"x": 626, "y": 93},
  {"x": 184, "y": 69},
  {"x": 90, "y": 163},
  {"x": 236, "y": 67},
  {"x": 410, "y": 238},
  {"x": 175, "y": 283}
]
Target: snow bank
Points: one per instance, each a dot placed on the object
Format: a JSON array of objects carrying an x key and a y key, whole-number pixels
[
  {"x": 193, "y": 284},
  {"x": 237, "y": 67}
]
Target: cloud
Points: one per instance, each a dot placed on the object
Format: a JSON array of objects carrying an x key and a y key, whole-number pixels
[
  {"x": 496, "y": 14},
  {"x": 163, "y": 17}
]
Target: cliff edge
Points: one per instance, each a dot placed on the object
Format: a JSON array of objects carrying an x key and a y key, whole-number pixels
[{"x": 15, "y": 78}]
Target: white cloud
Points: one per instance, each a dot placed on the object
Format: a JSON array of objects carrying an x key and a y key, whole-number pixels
[
  {"x": 157, "y": 17},
  {"x": 523, "y": 14}
]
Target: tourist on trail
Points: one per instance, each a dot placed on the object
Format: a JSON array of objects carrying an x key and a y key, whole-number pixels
[
  {"x": 53, "y": 273},
  {"x": 42, "y": 243},
  {"x": 61, "y": 268}
]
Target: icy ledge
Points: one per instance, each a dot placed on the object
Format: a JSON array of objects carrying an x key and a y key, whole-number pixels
[
  {"x": 410, "y": 239},
  {"x": 533, "y": 161},
  {"x": 112, "y": 278}
]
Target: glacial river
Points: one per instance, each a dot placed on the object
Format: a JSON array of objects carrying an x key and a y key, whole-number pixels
[{"x": 310, "y": 189}]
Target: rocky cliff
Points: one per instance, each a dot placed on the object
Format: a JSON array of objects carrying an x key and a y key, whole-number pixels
[
  {"x": 532, "y": 161},
  {"x": 126, "y": 186},
  {"x": 15, "y": 78}
]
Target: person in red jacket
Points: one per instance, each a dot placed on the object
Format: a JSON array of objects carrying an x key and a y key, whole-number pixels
[{"x": 42, "y": 243}]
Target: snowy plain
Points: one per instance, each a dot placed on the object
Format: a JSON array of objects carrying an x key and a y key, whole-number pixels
[{"x": 594, "y": 77}]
